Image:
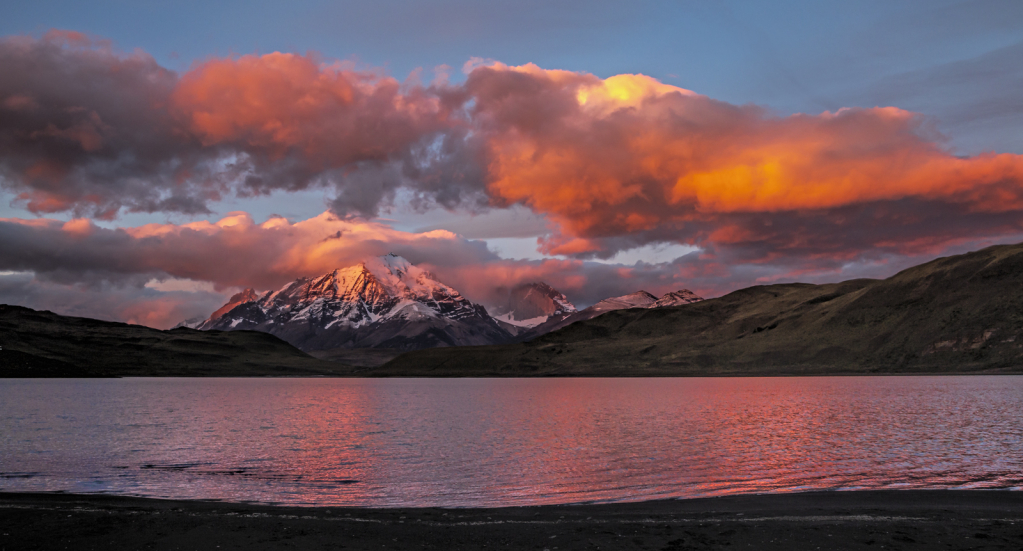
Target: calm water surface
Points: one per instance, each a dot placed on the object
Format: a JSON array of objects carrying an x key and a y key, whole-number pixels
[{"x": 487, "y": 442}]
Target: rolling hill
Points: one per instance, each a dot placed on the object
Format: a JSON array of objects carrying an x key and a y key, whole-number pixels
[{"x": 43, "y": 344}]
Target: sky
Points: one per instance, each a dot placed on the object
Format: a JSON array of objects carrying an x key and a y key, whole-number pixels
[{"x": 157, "y": 157}]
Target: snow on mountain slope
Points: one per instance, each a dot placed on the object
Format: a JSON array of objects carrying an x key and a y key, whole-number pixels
[
  {"x": 384, "y": 302},
  {"x": 191, "y": 323},
  {"x": 388, "y": 302},
  {"x": 639, "y": 299},
  {"x": 677, "y": 298},
  {"x": 509, "y": 318}
]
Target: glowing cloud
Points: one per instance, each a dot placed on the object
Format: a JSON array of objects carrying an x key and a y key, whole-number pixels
[
  {"x": 278, "y": 104},
  {"x": 629, "y": 156}
]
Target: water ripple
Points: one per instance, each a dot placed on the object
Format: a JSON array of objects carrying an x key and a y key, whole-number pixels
[{"x": 492, "y": 442}]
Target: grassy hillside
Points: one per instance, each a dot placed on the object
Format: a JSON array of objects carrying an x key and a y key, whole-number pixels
[
  {"x": 44, "y": 344},
  {"x": 961, "y": 314}
]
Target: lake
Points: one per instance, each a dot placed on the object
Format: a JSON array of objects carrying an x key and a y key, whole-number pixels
[{"x": 494, "y": 442}]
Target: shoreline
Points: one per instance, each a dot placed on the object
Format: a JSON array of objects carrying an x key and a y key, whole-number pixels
[
  {"x": 728, "y": 375},
  {"x": 867, "y": 519}
]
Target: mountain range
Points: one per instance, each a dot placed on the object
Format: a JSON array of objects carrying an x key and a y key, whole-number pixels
[
  {"x": 960, "y": 314},
  {"x": 639, "y": 299},
  {"x": 389, "y": 303}
]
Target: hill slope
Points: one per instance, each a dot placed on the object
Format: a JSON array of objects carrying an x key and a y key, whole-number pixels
[
  {"x": 959, "y": 314},
  {"x": 44, "y": 344}
]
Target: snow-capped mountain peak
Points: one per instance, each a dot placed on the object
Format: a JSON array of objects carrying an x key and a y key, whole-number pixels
[
  {"x": 385, "y": 301},
  {"x": 389, "y": 302},
  {"x": 401, "y": 278}
]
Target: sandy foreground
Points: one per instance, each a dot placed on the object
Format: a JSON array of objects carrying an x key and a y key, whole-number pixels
[{"x": 938, "y": 519}]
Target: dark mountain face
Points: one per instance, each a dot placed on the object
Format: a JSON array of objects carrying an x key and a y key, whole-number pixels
[
  {"x": 532, "y": 304},
  {"x": 385, "y": 302},
  {"x": 533, "y": 300},
  {"x": 248, "y": 295},
  {"x": 958, "y": 314}
]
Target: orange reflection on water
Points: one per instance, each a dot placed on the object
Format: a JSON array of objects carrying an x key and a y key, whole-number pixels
[{"x": 491, "y": 442}]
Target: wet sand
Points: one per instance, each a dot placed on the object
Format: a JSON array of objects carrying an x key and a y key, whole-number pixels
[{"x": 937, "y": 519}]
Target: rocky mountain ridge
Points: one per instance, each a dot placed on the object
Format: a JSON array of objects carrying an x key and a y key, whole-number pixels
[{"x": 639, "y": 299}]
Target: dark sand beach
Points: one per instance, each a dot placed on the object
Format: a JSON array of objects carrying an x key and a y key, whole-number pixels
[{"x": 909, "y": 519}]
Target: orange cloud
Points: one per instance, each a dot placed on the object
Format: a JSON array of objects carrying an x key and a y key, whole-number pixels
[
  {"x": 628, "y": 154},
  {"x": 613, "y": 163},
  {"x": 281, "y": 103},
  {"x": 234, "y": 251}
]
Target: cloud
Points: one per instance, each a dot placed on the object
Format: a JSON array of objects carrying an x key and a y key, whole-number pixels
[
  {"x": 161, "y": 274},
  {"x": 583, "y": 282},
  {"x": 624, "y": 161},
  {"x": 975, "y": 98},
  {"x": 231, "y": 252},
  {"x": 81, "y": 129},
  {"x": 608, "y": 164},
  {"x": 299, "y": 120},
  {"x": 236, "y": 252},
  {"x": 93, "y": 131}
]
